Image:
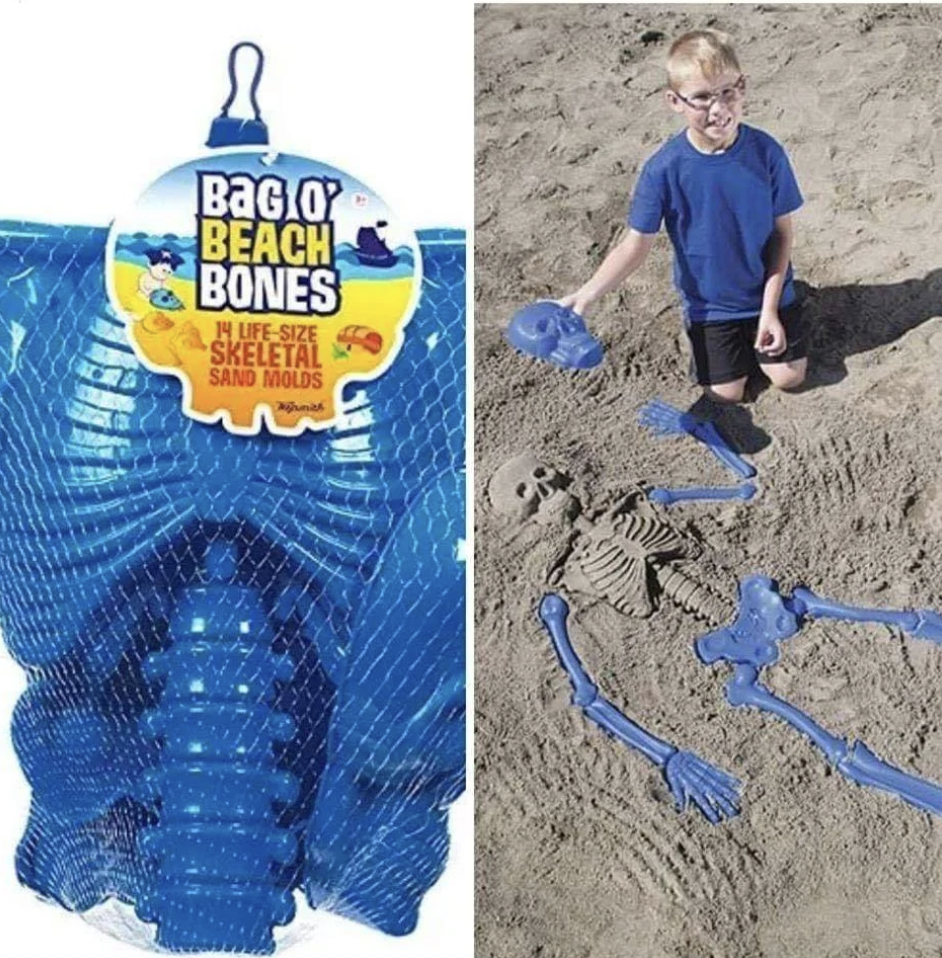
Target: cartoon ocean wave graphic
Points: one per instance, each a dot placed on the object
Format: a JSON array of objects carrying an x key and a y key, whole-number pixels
[
  {"x": 351, "y": 266},
  {"x": 138, "y": 243},
  {"x": 131, "y": 248}
]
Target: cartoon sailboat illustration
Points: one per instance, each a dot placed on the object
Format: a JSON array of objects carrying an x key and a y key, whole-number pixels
[{"x": 371, "y": 248}]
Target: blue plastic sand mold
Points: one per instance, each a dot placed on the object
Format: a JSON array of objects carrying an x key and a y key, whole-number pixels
[
  {"x": 165, "y": 299},
  {"x": 662, "y": 419},
  {"x": 666, "y": 497},
  {"x": 750, "y": 644},
  {"x": 691, "y": 779},
  {"x": 552, "y": 332},
  {"x": 245, "y": 655}
]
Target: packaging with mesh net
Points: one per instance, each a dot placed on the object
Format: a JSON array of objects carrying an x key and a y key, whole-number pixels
[{"x": 244, "y": 652}]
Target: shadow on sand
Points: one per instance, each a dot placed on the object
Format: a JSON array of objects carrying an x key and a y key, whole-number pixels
[{"x": 840, "y": 321}]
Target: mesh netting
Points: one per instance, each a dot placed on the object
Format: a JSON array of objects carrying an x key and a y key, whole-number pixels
[{"x": 245, "y": 656}]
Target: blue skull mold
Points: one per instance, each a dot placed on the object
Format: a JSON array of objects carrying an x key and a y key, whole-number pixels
[{"x": 554, "y": 333}]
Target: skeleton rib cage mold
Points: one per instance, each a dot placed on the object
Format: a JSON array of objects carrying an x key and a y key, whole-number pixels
[{"x": 197, "y": 615}]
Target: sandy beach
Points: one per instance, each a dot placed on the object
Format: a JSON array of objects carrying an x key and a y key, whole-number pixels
[{"x": 580, "y": 853}]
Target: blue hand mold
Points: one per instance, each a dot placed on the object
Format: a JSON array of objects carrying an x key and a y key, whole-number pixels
[
  {"x": 662, "y": 419},
  {"x": 245, "y": 656}
]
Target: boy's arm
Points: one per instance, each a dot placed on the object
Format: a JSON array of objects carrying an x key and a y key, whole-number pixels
[
  {"x": 770, "y": 337},
  {"x": 620, "y": 263}
]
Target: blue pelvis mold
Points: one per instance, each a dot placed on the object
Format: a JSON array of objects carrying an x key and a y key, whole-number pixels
[
  {"x": 765, "y": 618},
  {"x": 245, "y": 656},
  {"x": 552, "y": 332}
]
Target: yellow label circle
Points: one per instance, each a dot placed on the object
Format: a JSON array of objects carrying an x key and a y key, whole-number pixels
[{"x": 265, "y": 283}]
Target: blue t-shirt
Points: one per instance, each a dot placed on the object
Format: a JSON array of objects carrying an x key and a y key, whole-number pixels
[{"x": 719, "y": 210}]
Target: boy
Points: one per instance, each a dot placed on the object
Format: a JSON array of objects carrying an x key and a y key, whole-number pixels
[
  {"x": 726, "y": 193},
  {"x": 161, "y": 266}
]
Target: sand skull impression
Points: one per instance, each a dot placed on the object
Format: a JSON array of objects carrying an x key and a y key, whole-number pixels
[{"x": 626, "y": 556}]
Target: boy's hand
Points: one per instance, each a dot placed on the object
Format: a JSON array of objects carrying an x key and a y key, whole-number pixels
[
  {"x": 577, "y": 302},
  {"x": 770, "y": 337}
]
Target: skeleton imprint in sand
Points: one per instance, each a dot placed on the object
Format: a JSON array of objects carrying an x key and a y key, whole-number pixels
[{"x": 622, "y": 557}]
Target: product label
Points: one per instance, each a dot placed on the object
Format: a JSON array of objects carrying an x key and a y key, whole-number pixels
[{"x": 265, "y": 283}]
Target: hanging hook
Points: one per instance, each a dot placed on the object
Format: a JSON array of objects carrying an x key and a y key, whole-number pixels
[
  {"x": 234, "y": 83},
  {"x": 229, "y": 131}
]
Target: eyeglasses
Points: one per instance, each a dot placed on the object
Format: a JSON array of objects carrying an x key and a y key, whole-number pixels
[{"x": 703, "y": 101}]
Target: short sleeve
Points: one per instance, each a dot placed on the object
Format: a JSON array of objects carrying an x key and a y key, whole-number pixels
[
  {"x": 648, "y": 202},
  {"x": 786, "y": 196}
]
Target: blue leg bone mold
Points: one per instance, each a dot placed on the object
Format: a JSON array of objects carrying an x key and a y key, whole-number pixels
[{"x": 751, "y": 643}]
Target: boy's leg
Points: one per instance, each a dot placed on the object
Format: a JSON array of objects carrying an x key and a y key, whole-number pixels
[
  {"x": 722, "y": 358},
  {"x": 788, "y": 370},
  {"x": 789, "y": 375},
  {"x": 727, "y": 392}
]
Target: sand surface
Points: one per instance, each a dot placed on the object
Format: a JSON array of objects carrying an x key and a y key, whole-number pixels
[{"x": 580, "y": 853}]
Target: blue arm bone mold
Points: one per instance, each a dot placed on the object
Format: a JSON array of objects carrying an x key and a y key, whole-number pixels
[
  {"x": 666, "y": 497},
  {"x": 766, "y": 618},
  {"x": 244, "y": 656},
  {"x": 691, "y": 779},
  {"x": 662, "y": 419}
]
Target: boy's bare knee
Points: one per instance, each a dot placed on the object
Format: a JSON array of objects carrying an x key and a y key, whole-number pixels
[
  {"x": 727, "y": 392},
  {"x": 787, "y": 375}
]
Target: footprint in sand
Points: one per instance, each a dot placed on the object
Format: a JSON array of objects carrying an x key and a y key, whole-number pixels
[
  {"x": 157, "y": 323},
  {"x": 925, "y": 509},
  {"x": 188, "y": 338}
]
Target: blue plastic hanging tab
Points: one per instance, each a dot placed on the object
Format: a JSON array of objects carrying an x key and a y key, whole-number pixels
[{"x": 232, "y": 131}]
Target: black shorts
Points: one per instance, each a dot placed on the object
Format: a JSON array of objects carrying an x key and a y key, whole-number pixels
[{"x": 724, "y": 352}]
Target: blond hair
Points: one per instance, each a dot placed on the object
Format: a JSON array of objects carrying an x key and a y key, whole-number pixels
[{"x": 707, "y": 51}]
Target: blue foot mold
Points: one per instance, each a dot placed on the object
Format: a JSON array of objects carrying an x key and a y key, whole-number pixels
[{"x": 751, "y": 643}]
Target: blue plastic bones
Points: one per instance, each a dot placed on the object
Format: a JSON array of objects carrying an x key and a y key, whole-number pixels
[
  {"x": 552, "y": 332},
  {"x": 663, "y": 419},
  {"x": 666, "y": 497},
  {"x": 690, "y": 779},
  {"x": 244, "y": 655},
  {"x": 766, "y": 618}
]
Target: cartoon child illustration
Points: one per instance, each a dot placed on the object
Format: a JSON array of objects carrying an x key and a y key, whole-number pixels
[{"x": 162, "y": 264}]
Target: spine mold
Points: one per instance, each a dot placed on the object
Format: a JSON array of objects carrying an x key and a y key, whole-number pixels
[{"x": 216, "y": 790}]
